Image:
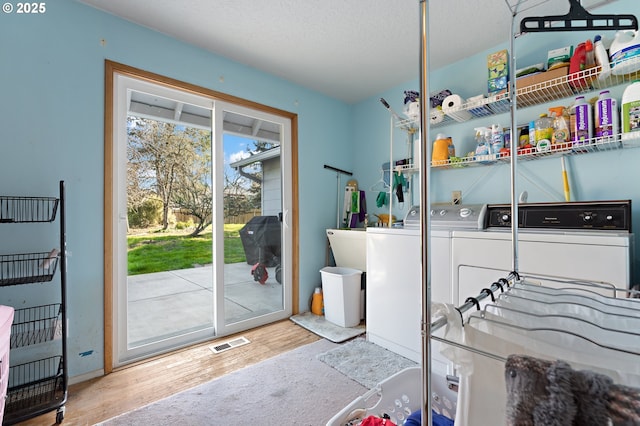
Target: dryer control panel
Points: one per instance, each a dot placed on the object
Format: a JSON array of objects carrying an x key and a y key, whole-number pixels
[{"x": 583, "y": 216}]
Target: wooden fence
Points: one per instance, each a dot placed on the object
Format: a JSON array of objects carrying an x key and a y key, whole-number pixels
[{"x": 243, "y": 218}]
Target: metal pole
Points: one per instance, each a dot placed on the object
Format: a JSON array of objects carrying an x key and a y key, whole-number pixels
[
  {"x": 425, "y": 204},
  {"x": 514, "y": 143}
]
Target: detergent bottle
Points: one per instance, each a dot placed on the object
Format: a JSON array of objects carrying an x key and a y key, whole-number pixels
[
  {"x": 625, "y": 46},
  {"x": 440, "y": 152},
  {"x": 483, "y": 149},
  {"x": 630, "y": 114},
  {"x": 578, "y": 63},
  {"x": 317, "y": 303}
]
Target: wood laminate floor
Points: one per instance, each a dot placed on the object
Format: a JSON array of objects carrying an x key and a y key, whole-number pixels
[{"x": 133, "y": 386}]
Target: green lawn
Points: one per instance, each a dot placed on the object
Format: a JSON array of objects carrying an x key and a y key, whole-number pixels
[{"x": 160, "y": 252}]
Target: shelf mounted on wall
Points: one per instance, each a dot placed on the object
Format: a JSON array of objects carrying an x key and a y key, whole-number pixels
[{"x": 578, "y": 19}]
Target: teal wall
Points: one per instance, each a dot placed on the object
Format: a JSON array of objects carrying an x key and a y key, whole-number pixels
[{"x": 51, "y": 129}]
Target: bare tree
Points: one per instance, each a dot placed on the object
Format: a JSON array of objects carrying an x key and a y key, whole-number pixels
[
  {"x": 159, "y": 155},
  {"x": 193, "y": 192}
]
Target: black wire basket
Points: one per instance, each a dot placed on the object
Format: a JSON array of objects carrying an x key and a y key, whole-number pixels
[
  {"x": 27, "y": 268},
  {"x": 27, "y": 209},
  {"x": 35, "y": 325}
]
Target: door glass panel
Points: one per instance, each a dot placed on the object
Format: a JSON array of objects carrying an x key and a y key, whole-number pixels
[
  {"x": 169, "y": 213},
  {"x": 252, "y": 212}
]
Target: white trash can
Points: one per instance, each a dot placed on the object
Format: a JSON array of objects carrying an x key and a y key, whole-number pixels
[{"x": 341, "y": 295}]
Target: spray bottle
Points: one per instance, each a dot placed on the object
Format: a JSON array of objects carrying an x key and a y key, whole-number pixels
[
  {"x": 483, "y": 149},
  {"x": 560, "y": 125},
  {"x": 602, "y": 57}
]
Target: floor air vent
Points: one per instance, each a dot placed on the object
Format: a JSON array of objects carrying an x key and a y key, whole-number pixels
[{"x": 225, "y": 346}]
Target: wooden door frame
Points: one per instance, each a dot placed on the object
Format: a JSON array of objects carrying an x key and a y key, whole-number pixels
[{"x": 112, "y": 68}]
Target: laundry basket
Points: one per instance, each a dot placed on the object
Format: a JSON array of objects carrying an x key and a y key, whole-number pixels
[{"x": 398, "y": 396}]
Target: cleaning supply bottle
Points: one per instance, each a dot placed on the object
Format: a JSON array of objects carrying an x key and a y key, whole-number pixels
[
  {"x": 544, "y": 128},
  {"x": 483, "y": 149},
  {"x": 577, "y": 64},
  {"x": 630, "y": 113},
  {"x": 440, "y": 152},
  {"x": 602, "y": 57},
  {"x": 560, "y": 125},
  {"x": 532, "y": 133},
  {"x": 583, "y": 122},
  {"x": 497, "y": 139},
  {"x": 606, "y": 116},
  {"x": 625, "y": 46},
  {"x": 317, "y": 303}
]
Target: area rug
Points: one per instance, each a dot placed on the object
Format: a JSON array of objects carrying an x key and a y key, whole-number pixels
[
  {"x": 365, "y": 362},
  {"x": 319, "y": 325},
  {"x": 294, "y": 388}
]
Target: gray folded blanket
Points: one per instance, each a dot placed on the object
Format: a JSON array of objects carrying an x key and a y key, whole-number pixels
[{"x": 551, "y": 393}]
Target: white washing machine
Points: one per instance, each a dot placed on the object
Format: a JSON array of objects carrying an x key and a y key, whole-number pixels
[
  {"x": 394, "y": 283},
  {"x": 582, "y": 241}
]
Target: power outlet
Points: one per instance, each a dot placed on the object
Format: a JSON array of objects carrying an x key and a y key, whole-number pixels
[{"x": 456, "y": 197}]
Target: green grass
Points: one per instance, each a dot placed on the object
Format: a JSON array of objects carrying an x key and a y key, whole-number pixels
[{"x": 157, "y": 252}]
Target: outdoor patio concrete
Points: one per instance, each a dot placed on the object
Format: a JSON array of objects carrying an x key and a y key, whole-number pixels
[{"x": 165, "y": 304}]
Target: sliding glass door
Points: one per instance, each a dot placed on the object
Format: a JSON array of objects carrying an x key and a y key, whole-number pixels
[{"x": 201, "y": 196}]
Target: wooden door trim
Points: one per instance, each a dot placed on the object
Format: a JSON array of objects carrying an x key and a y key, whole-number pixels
[{"x": 111, "y": 68}]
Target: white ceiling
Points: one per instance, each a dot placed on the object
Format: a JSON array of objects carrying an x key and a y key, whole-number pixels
[{"x": 347, "y": 49}]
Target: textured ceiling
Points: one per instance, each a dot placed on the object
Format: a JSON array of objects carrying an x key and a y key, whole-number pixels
[{"x": 346, "y": 49}]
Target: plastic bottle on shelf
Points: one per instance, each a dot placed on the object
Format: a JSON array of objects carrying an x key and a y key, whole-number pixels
[
  {"x": 630, "y": 114},
  {"x": 578, "y": 63},
  {"x": 497, "y": 139},
  {"x": 582, "y": 131},
  {"x": 440, "y": 151},
  {"x": 605, "y": 117},
  {"x": 625, "y": 52},
  {"x": 317, "y": 303},
  {"x": 602, "y": 57},
  {"x": 532, "y": 133},
  {"x": 483, "y": 149},
  {"x": 561, "y": 132},
  {"x": 544, "y": 128}
]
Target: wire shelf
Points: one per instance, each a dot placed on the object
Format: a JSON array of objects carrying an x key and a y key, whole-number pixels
[
  {"x": 35, "y": 325},
  {"x": 621, "y": 141},
  {"x": 34, "y": 386},
  {"x": 566, "y": 86},
  {"x": 27, "y": 268},
  {"x": 27, "y": 209}
]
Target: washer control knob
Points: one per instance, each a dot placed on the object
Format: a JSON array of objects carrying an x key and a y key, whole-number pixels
[
  {"x": 443, "y": 212},
  {"x": 587, "y": 218},
  {"x": 609, "y": 218},
  {"x": 432, "y": 212},
  {"x": 465, "y": 212},
  {"x": 505, "y": 218}
]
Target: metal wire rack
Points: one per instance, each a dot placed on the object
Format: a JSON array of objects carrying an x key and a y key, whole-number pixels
[
  {"x": 612, "y": 143},
  {"x": 27, "y": 209},
  {"x": 588, "y": 80},
  {"x": 35, "y": 325},
  {"x": 34, "y": 385},
  {"x": 26, "y": 268}
]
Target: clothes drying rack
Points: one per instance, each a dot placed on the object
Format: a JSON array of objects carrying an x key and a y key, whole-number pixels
[{"x": 578, "y": 19}]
